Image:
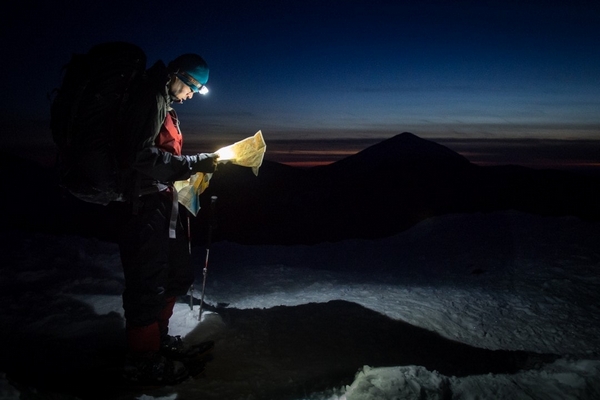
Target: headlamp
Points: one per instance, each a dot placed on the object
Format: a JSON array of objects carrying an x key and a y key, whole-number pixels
[{"x": 189, "y": 80}]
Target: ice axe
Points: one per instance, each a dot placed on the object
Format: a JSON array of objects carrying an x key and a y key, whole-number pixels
[{"x": 213, "y": 203}]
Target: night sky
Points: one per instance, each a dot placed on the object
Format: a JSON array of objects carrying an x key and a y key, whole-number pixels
[{"x": 324, "y": 79}]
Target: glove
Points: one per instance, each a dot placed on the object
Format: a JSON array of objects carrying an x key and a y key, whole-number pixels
[{"x": 205, "y": 162}]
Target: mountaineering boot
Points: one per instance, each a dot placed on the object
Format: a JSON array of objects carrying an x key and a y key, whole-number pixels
[
  {"x": 153, "y": 369},
  {"x": 175, "y": 348}
]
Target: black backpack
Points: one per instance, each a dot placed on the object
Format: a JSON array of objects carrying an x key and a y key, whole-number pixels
[{"x": 86, "y": 116}]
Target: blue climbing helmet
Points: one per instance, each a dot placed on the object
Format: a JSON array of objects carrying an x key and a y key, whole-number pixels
[{"x": 192, "y": 70}]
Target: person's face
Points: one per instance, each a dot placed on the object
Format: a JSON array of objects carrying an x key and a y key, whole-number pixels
[{"x": 180, "y": 91}]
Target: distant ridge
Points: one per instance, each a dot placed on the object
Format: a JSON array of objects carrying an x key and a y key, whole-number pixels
[
  {"x": 385, "y": 189},
  {"x": 377, "y": 192}
]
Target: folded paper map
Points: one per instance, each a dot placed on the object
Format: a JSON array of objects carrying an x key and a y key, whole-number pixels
[{"x": 246, "y": 153}]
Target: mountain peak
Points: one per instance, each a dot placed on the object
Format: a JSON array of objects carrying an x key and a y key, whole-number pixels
[{"x": 403, "y": 149}]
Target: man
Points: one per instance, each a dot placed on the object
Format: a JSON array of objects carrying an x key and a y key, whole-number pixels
[{"x": 154, "y": 244}]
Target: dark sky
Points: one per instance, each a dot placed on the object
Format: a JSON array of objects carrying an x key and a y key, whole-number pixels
[{"x": 333, "y": 70}]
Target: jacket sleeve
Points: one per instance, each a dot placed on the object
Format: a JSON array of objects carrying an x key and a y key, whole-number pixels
[{"x": 166, "y": 167}]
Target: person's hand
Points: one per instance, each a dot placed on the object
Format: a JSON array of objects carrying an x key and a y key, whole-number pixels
[
  {"x": 215, "y": 160},
  {"x": 206, "y": 162}
]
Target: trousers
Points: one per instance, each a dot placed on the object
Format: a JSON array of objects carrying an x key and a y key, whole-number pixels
[{"x": 156, "y": 268}]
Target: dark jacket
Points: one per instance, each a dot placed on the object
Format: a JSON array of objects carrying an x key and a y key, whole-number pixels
[{"x": 148, "y": 168}]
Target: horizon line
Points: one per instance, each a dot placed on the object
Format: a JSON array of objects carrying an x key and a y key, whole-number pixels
[{"x": 309, "y": 152}]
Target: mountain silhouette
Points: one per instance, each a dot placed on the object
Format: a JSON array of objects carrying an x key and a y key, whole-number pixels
[
  {"x": 383, "y": 190},
  {"x": 377, "y": 192},
  {"x": 405, "y": 149}
]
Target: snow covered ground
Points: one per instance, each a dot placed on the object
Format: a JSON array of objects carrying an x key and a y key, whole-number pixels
[{"x": 479, "y": 306}]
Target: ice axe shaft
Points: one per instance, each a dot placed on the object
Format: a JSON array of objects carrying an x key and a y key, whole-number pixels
[
  {"x": 213, "y": 202},
  {"x": 190, "y": 252}
]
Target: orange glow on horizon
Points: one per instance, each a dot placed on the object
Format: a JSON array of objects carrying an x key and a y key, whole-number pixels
[
  {"x": 316, "y": 152},
  {"x": 307, "y": 164}
]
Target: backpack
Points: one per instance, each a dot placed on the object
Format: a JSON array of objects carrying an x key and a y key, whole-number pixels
[{"x": 86, "y": 116}]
